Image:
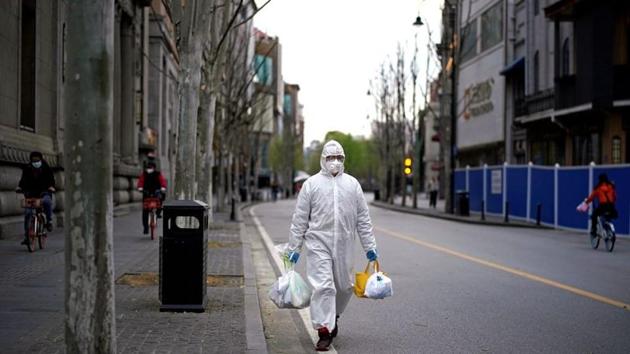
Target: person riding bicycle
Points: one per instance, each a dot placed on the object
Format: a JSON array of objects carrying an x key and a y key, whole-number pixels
[
  {"x": 606, "y": 196},
  {"x": 37, "y": 181},
  {"x": 152, "y": 184}
]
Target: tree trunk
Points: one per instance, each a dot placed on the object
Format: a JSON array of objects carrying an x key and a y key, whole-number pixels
[
  {"x": 194, "y": 29},
  {"x": 205, "y": 154},
  {"x": 88, "y": 102}
]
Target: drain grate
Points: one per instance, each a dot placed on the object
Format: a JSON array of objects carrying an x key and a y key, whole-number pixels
[{"x": 152, "y": 279}]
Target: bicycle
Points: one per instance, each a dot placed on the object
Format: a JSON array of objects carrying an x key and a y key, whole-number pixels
[
  {"x": 604, "y": 229},
  {"x": 152, "y": 204},
  {"x": 36, "y": 223}
]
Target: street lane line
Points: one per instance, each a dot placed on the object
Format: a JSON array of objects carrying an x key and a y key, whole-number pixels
[
  {"x": 305, "y": 314},
  {"x": 520, "y": 273}
]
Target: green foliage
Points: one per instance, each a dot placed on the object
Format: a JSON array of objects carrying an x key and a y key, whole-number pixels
[
  {"x": 360, "y": 155},
  {"x": 276, "y": 153},
  {"x": 298, "y": 162}
]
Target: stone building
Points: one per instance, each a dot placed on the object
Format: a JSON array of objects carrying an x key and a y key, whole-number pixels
[{"x": 33, "y": 72}]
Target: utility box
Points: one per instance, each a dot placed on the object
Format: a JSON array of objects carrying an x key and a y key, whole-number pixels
[
  {"x": 463, "y": 203},
  {"x": 183, "y": 256}
]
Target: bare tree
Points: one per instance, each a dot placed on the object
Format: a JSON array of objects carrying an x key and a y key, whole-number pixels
[
  {"x": 88, "y": 102},
  {"x": 193, "y": 17}
]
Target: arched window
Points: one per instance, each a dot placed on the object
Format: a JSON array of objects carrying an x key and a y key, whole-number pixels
[
  {"x": 536, "y": 73},
  {"x": 566, "y": 58},
  {"x": 616, "y": 149}
]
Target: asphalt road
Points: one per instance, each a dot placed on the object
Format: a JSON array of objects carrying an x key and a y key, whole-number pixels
[{"x": 461, "y": 288}]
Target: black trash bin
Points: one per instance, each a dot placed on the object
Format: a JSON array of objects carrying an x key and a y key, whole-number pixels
[
  {"x": 183, "y": 256},
  {"x": 463, "y": 203}
]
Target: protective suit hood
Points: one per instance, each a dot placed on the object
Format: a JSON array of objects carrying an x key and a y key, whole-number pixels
[{"x": 332, "y": 147}]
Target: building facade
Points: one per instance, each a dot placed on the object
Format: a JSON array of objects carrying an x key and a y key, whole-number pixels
[
  {"x": 269, "y": 102},
  {"x": 569, "y": 103},
  {"x": 480, "y": 87},
  {"x": 32, "y": 67}
]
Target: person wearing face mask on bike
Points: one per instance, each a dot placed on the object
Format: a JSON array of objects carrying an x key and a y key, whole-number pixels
[
  {"x": 152, "y": 184},
  {"x": 37, "y": 181},
  {"x": 330, "y": 212}
]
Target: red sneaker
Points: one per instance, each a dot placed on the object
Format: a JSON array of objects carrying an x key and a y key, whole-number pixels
[{"x": 325, "y": 340}]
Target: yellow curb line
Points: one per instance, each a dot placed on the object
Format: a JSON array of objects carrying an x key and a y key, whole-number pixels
[{"x": 520, "y": 273}]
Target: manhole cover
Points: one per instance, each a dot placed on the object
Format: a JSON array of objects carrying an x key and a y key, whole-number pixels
[{"x": 152, "y": 279}]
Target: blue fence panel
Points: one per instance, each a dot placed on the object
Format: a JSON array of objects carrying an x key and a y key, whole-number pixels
[
  {"x": 475, "y": 184},
  {"x": 621, "y": 178},
  {"x": 542, "y": 192},
  {"x": 517, "y": 190},
  {"x": 494, "y": 198},
  {"x": 460, "y": 180},
  {"x": 572, "y": 189}
]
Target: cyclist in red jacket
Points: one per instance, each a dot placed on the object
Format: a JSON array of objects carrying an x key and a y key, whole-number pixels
[
  {"x": 152, "y": 184},
  {"x": 606, "y": 197}
]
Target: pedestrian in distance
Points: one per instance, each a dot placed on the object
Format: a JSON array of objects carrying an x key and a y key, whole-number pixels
[
  {"x": 37, "y": 181},
  {"x": 606, "y": 196},
  {"x": 330, "y": 212},
  {"x": 433, "y": 192},
  {"x": 152, "y": 184}
]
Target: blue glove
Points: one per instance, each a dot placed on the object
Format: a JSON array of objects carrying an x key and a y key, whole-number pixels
[
  {"x": 371, "y": 255},
  {"x": 293, "y": 257}
]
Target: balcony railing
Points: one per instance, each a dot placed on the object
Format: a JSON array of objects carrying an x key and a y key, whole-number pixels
[{"x": 538, "y": 102}]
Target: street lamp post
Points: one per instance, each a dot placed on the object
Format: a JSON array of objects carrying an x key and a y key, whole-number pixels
[{"x": 452, "y": 126}]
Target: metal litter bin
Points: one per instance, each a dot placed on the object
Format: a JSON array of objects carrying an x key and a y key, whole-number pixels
[
  {"x": 183, "y": 256},
  {"x": 463, "y": 203}
]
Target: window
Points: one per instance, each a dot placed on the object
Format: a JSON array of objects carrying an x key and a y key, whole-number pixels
[
  {"x": 536, "y": 7},
  {"x": 566, "y": 58},
  {"x": 616, "y": 150},
  {"x": 536, "y": 73},
  {"x": 288, "y": 106},
  {"x": 264, "y": 70},
  {"x": 27, "y": 62},
  {"x": 586, "y": 149},
  {"x": 547, "y": 152},
  {"x": 469, "y": 41},
  {"x": 492, "y": 26}
]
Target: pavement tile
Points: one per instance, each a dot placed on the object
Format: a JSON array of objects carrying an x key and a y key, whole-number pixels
[{"x": 31, "y": 302}]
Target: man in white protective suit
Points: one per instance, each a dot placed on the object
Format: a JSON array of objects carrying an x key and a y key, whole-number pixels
[{"x": 330, "y": 212}]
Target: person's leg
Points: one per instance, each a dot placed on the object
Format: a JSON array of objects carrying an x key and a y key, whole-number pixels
[
  {"x": 145, "y": 221},
  {"x": 47, "y": 204},
  {"x": 27, "y": 219},
  {"x": 323, "y": 301},
  {"x": 594, "y": 217}
]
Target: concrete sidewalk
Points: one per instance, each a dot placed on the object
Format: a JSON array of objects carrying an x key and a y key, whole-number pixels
[
  {"x": 32, "y": 296},
  {"x": 439, "y": 213}
]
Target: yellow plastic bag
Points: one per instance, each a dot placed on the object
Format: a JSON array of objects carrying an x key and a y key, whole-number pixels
[{"x": 360, "y": 279}]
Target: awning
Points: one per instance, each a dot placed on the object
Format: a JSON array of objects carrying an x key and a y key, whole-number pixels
[{"x": 517, "y": 64}]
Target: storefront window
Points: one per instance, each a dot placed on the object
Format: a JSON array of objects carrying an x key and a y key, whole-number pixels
[
  {"x": 492, "y": 26},
  {"x": 547, "y": 152}
]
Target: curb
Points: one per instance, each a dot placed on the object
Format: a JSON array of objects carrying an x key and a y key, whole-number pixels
[
  {"x": 254, "y": 332},
  {"x": 449, "y": 217}
]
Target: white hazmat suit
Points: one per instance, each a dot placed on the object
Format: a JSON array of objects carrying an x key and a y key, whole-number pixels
[{"x": 330, "y": 212}]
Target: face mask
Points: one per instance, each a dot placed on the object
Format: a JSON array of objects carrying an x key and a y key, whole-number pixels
[
  {"x": 333, "y": 166},
  {"x": 37, "y": 164},
  {"x": 150, "y": 170}
]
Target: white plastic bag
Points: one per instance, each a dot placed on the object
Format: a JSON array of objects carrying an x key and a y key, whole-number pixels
[
  {"x": 378, "y": 286},
  {"x": 583, "y": 207},
  {"x": 290, "y": 291}
]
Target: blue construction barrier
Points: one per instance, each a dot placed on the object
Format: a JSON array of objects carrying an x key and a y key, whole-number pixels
[
  {"x": 540, "y": 188},
  {"x": 516, "y": 192},
  {"x": 494, "y": 194},
  {"x": 475, "y": 187}
]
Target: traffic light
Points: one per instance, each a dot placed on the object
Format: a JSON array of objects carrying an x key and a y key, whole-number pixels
[{"x": 408, "y": 162}]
